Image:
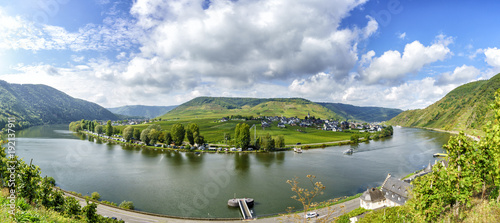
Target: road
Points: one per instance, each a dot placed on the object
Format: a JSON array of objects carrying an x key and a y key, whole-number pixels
[{"x": 136, "y": 217}]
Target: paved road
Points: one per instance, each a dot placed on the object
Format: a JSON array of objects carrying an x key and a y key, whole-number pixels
[{"x": 134, "y": 217}]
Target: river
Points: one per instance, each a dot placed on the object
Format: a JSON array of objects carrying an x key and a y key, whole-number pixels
[{"x": 185, "y": 184}]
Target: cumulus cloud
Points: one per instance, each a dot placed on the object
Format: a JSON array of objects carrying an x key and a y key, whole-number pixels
[
  {"x": 492, "y": 56},
  {"x": 460, "y": 75},
  {"x": 402, "y": 35},
  {"x": 392, "y": 66},
  {"x": 244, "y": 42}
]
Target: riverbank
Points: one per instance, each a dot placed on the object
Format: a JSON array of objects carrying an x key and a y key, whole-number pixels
[{"x": 475, "y": 138}]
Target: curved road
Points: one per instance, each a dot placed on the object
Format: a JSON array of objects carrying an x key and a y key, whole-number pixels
[{"x": 135, "y": 217}]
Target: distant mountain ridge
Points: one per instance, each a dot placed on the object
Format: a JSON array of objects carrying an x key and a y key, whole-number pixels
[
  {"x": 142, "y": 110},
  {"x": 464, "y": 108},
  {"x": 289, "y": 107},
  {"x": 40, "y": 104},
  {"x": 367, "y": 114}
]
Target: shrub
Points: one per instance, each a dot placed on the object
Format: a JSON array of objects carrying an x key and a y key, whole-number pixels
[
  {"x": 95, "y": 196},
  {"x": 127, "y": 205}
]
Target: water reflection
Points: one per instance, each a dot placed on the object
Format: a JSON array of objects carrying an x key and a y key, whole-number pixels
[{"x": 241, "y": 161}]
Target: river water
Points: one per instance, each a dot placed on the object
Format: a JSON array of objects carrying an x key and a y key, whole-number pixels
[{"x": 185, "y": 184}]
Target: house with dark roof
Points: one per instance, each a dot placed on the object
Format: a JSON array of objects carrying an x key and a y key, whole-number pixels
[
  {"x": 372, "y": 198},
  {"x": 395, "y": 191}
]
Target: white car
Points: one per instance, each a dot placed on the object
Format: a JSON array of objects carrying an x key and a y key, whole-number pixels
[{"x": 311, "y": 215}]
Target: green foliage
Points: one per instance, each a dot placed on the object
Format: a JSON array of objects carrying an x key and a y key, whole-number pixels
[
  {"x": 127, "y": 205},
  {"x": 472, "y": 167},
  {"x": 168, "y": 138},
  {"x": 109, "y": 128},
  {"x": 99, "y": 129},
  {"x": 390, "y": 214},
  {"x": 345, "y": 217},
  {"x": 128, "y": 133},
  {"x": 355, "y": 138},
  {"x": 153, "y": 136},
  {"x": 29, "y": 178},
  {"x": 145, "y": 136},
  {"x": 189, "y": 136},
  {"x": 71, "y": 207},
  {"x": 90, "y": 212},
  {"x": 95, "y": 196},
  {"x": 244, "y": 136},
  {"x": 137, "y": 134},
  {"x": 280, "y": 142},
  {"x": 267, "y": 143},
  {"x": 178, "y": 134}
]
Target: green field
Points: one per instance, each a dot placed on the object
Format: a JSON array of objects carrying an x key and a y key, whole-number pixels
[{"x": 213, "y": 131}]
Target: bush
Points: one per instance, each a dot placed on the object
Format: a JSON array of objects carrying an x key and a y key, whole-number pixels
[
  {"x": 127, "y": 205},
  {"x": 95, "y": 196}
]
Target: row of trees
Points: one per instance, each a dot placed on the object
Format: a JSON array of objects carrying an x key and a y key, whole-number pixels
[
  {"x": 242, "y": 139},
  {"x": 94, "y": 126},
  {"x": 153, "y": 134}
]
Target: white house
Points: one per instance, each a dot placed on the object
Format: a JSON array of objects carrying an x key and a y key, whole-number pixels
[{"x": 394, "y": 193}]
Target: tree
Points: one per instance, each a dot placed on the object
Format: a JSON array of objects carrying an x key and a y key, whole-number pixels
[
  {"x": 29, "y": 181},
  {"x": 90, "y": 212},
  {"x": 168, "y": 138},
  {"x": 71, "y": 207},
  {"x": 355, "y": 138},
  {"x": 189, "y": 136},
  {"x": 267, "y": 143},
  {"x": 192, "y": 131},
  {"x": 109, "y": 129},
  {"x": 153, "y": 136},
  {"x": 237, "y": 135},
  {"x": 178, "y": 134},
  {"x": 280, "y": 141},
  {"x": 145, "y": 136},
  {"x": 99, "y": 129},
  {"x": 200, "y": 140},
  {"x": 128, "y": 133},
  {"x": 137, "y": 134},
  {"x": 244, "y": 136}
]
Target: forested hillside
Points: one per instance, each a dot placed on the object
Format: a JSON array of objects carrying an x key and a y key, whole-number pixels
[
  {"x": 465, "y": 108},
  {"x": 41, "y": 104},
  {"x": 366, "y": 114}
]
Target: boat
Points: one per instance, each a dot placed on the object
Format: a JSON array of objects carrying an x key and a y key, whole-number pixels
[
  {"x": 297, "y": 150},
  {"x": 440, "y": 155},
  {"x": 349, "y": 152}
]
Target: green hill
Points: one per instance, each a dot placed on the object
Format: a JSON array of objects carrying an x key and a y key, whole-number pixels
[
  {"x": 218, "y": 107},
  {"x": 464, "y": 108},
  {"x": 142, "y": 110},
  {"x": 41, "y": 104},
  {"x": 366, "y": 114}
]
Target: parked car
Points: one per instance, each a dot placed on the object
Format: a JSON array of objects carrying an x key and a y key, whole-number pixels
[{"x": 311, "y": 215}]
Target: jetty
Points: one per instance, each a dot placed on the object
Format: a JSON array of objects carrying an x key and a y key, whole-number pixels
[{"x": 244, "y": 204}]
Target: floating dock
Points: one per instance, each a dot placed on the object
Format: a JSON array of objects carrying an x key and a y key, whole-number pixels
[{"x": 244, "y": 204}]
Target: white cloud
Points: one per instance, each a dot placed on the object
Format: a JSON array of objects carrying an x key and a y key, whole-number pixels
[
  {"x": 113, "y": 33},
  {"x": 392, "y": 66},
  {"x": 460, "y": 75},
  {"x": 244, "y": 42},
  {"x": 492, "y": 56},
  {"x": 402, "y": 35}
]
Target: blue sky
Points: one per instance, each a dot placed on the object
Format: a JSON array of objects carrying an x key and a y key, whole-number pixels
[{"x": 397, "y": 53}]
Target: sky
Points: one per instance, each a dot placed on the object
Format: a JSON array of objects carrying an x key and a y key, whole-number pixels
[{"x": 403, "y": 54}]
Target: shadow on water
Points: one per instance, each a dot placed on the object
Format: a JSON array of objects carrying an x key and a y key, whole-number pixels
[{"x": 241, "y": 162}]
